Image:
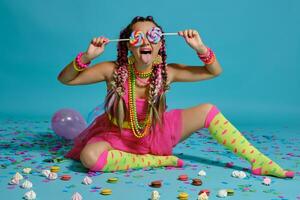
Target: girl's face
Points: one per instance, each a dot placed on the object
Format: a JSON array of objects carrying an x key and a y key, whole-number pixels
[{"x": 147, "y": 52}]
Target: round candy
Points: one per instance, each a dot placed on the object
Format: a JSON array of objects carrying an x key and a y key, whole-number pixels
[
  {"x": 65, "y": 177},
  {"x": 136, "y": 38},
  {"x": 112, "y": 180},
  {"x": 230, "y": 192},
  {"x": 183, "y": 196},
  {"x": 154, "y": 35},
  {"x": 106, "y": 192},
  {"x": 183, "y": 177},
  {"x": 155, "y": 184},
  {"x": 54, "y": 169},
  {"x": 197, "y": 182}
]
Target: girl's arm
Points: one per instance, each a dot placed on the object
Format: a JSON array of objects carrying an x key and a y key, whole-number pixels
[
  {"x": 184, "y": 73},
  {"x": 97, "y": 73}
]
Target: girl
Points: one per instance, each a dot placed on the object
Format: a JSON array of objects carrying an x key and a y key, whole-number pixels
[{"x": 136, "y": 130}]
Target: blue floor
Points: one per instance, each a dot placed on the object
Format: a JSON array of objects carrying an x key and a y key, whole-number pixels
[{"x": 29, "y": 143}]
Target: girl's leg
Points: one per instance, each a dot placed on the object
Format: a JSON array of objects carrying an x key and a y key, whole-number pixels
[
  {"x": 99, "y": 156},
  {"x": 92, "y": 155},
  {"x": 225, "y": 133}
]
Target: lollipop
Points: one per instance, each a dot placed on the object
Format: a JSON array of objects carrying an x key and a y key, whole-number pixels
[
  {"x": 154, "y": 35},
  {"x": 136, "y": 38}
]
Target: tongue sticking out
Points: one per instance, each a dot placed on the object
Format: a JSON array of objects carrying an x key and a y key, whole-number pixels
[{"x": 146, "y": 57}]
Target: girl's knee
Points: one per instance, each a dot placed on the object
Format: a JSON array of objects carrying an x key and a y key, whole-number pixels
[
  {"x": 90, "y": 154},
  {"x": 208, "y": 106},
  {"x": 88, "y": 158},
  {"x": 205, "y": 107}
]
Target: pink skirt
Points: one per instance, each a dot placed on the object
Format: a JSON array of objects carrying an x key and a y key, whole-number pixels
[{"x": 160, "y": 141}]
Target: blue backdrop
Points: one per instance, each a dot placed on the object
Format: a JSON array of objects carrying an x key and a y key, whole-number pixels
[{"x": 257, "y": 43}]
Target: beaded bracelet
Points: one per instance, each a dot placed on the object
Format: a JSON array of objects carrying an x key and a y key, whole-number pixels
[
  {"x": 208, "y": 57},
  {"x": 76, "y": 67},
  {"x": 79, "y": 63}
]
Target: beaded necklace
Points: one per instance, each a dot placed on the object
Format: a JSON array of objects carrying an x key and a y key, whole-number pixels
[
  {"x": 143, "y": 74},
  {"x": 136, "y": 127}
]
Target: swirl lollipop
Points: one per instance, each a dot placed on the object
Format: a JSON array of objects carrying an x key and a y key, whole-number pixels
[
  {"x": 154, "y": 35},
  {"x": 136, "y": 38}
]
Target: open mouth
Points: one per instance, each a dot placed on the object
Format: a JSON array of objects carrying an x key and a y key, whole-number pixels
[
  {"x": 145, "y": 51},
  {"x": 146, "y": 55}
]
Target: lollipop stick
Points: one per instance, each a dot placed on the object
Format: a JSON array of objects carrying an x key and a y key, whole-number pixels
[
  {"x": 117, "y": 40},
  {"x": 170, "y": 33}
]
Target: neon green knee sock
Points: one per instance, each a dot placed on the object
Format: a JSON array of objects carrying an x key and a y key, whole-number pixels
[
  {"x": 115, "y": 160},
  {"x": 225, "y": 133}
]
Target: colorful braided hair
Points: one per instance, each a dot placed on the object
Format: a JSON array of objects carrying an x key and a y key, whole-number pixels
[{"x": 114, "y": 103}]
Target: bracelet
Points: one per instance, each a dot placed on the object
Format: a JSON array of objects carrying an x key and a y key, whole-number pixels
[
  {"x": 77, "y": 68},
  {"x": 208, "y": 57},
  {"x": 79, "y": 63}
]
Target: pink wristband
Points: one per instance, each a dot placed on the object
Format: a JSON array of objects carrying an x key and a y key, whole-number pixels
[{"x": 79, "y": 63}]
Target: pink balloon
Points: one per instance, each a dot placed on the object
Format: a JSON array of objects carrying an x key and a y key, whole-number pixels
[{"x": 68, "y": 123}]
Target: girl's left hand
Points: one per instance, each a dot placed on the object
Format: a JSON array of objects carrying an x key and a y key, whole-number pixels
[{"x": 193, "y": 39}]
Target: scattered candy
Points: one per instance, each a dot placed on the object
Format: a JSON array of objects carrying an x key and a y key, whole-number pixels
[
  {"x": 106, "y": 192},
  {"x": 31, "y": 195},
  {"x": 183, "y": 177},
  {"x": 17, "y": 163},
  {"x": 155, "y": 195},
  {"x": 52, "y": 176},
  {"x": 27, "y": 170},
  {"x": 76, "y": 196},
  {"x": 242, "y": 175},
  {"x": 266, "y": 181},
  {"x": 18, "y": 176},
  {"x": 230, "y": 192},
  {"x": 203, "y": 196},
  {"x": 156, "y": 184},
  {"x": 46, "y": 173},
  {"x": 235, "y": 173},
  {"x": 197, "y": 182},
  {"x": 204, "y": 191},
  {"x": 112, "y": 180},
  {"x": 27, "y": 185},
  {"x": 183, "y": 196},
  {"x": 65, "y": 177},
  {"x": 55, "y": 169},
  {"x": 202, "y": 173},
  {"x": 87, "y": 180},
  {"x": 222, "y": 193},
  {"x": 238, "y": 174},
  {"x": 14, "y": 181}
]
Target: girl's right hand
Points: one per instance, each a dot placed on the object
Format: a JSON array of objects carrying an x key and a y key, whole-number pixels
[{"x": 96, "y": 47}]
